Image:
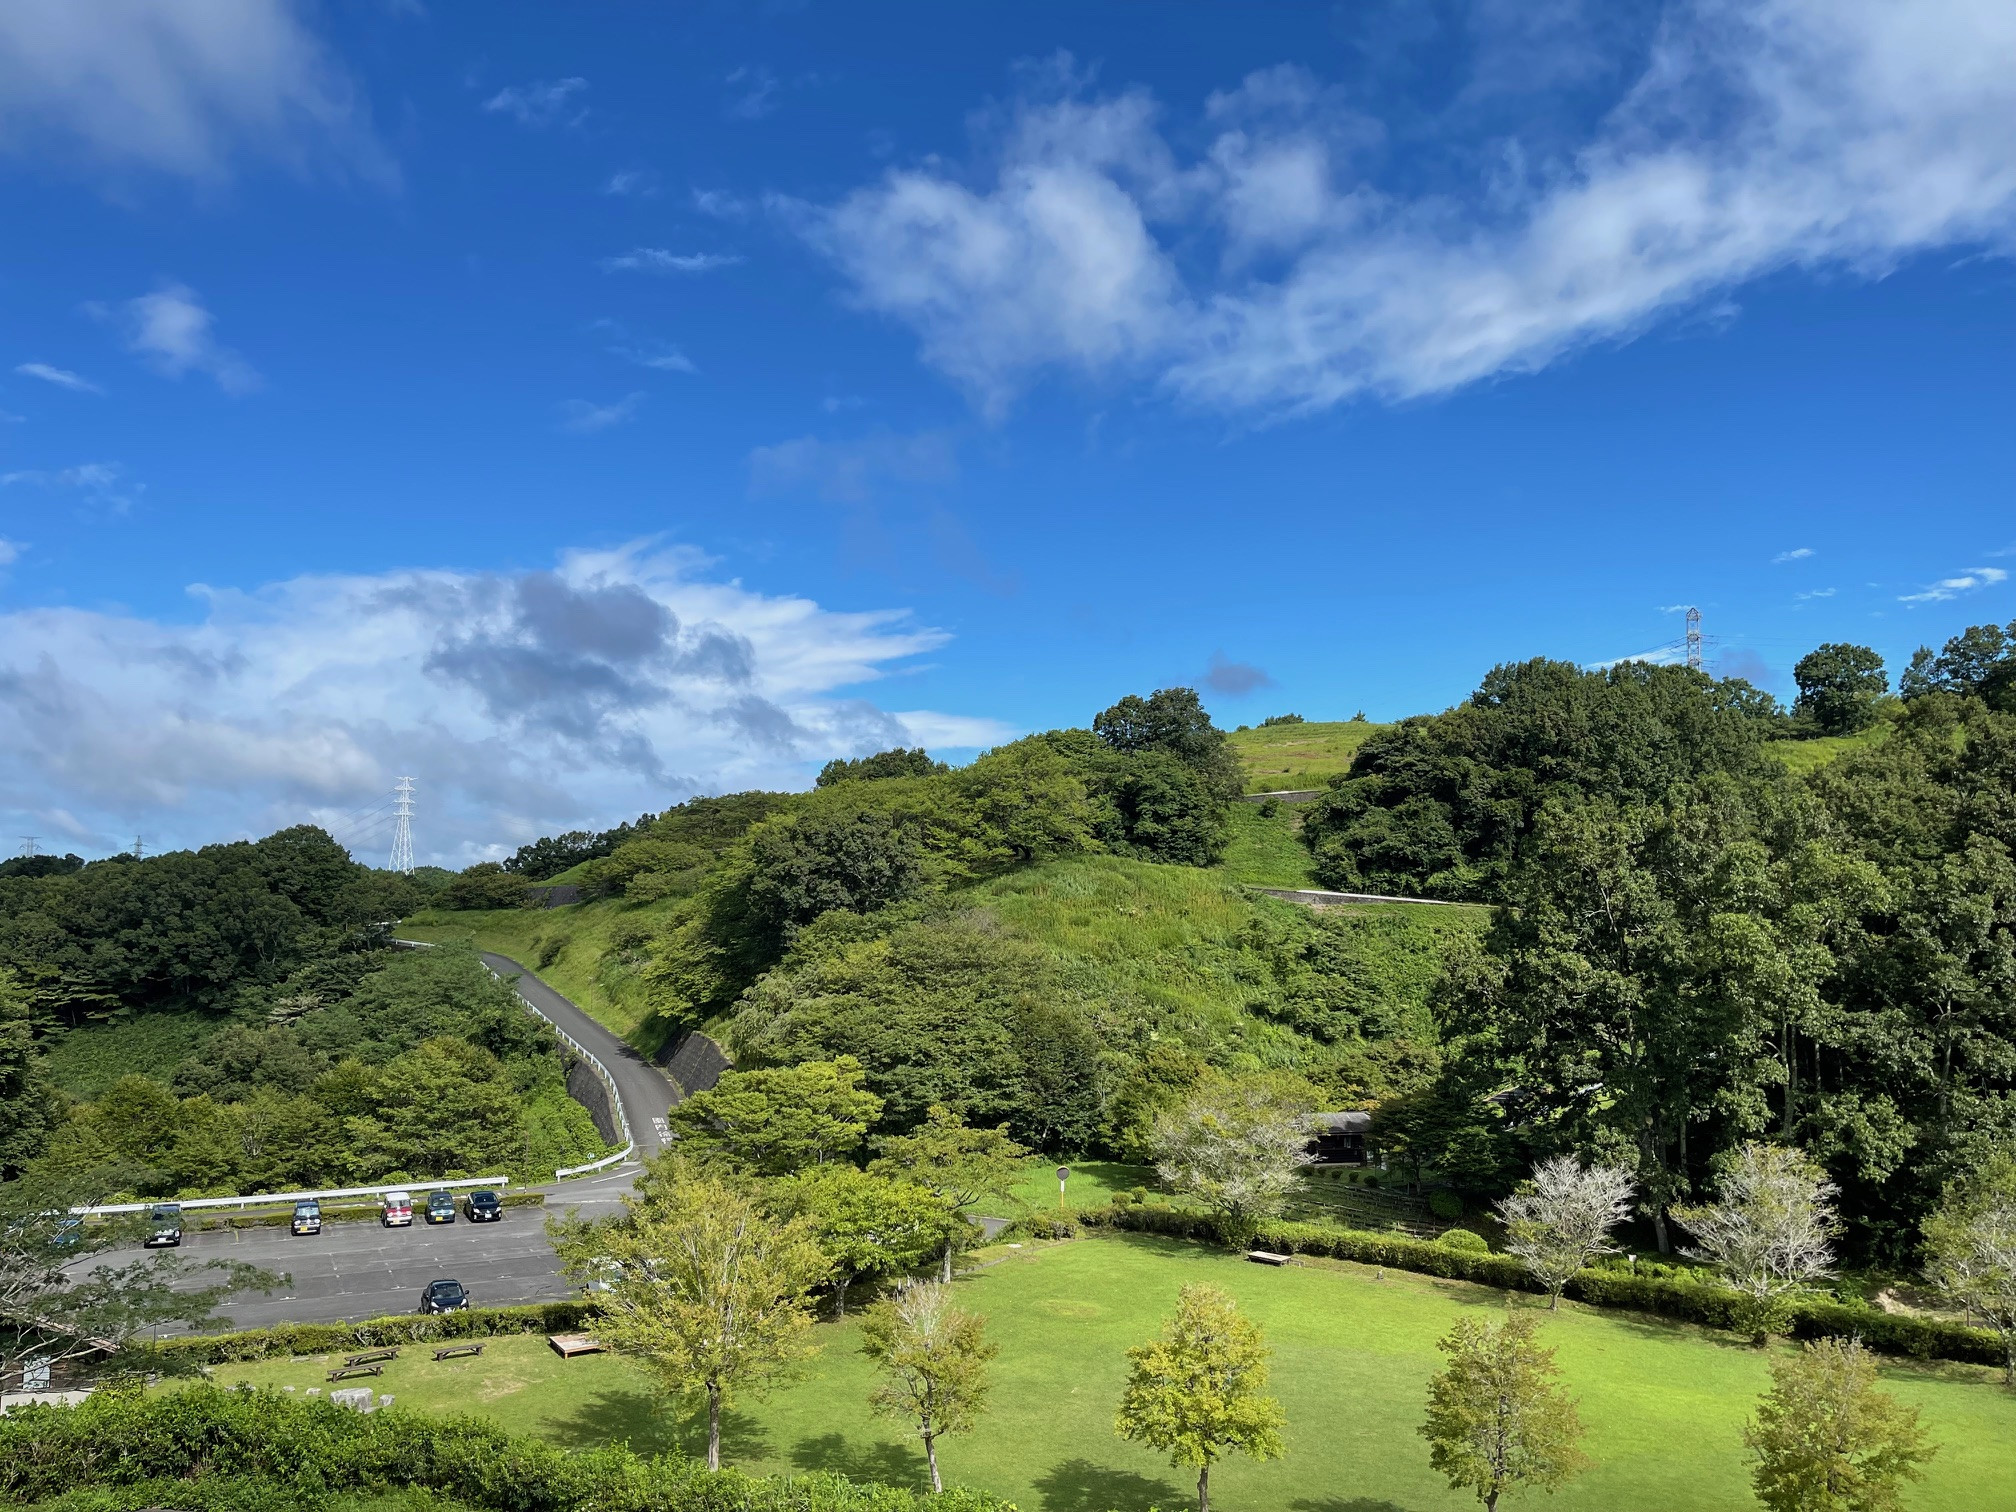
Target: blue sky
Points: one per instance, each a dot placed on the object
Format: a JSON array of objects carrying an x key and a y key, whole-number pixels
[{"x": 582, "y": 407}]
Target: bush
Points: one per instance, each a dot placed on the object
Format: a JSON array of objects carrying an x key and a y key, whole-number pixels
[
  {"x": 329, "y": 1338},
  {"x": 1445, "y": 1204},
  {"x": 1465, "y": 1240},
  {"x": 205, "y": 1447},
  {"x": 1688, "y": 1301},
  {"x": 1052, "y": 1226}
]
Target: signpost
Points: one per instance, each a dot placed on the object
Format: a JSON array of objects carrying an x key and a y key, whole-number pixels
[{"x": 1063, "y": 1175}]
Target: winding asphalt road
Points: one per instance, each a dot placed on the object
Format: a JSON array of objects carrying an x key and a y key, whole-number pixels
[{"x": 647, "y": 1092}]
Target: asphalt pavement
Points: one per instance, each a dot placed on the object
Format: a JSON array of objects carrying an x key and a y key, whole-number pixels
[{"x": 360, "y": 1270}]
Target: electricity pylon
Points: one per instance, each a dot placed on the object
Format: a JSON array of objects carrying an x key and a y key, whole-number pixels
[{"x": 402, "y": 827}]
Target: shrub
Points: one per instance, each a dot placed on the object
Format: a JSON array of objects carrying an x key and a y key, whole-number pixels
[
  {"x": 1445, "y": 1204},
  {"x": 1465, "y": 1240},
  {"x": 328, "y": 1338},
  {"x": 205, "y": 1447},
  {"x": 1053, "y": 1226}
]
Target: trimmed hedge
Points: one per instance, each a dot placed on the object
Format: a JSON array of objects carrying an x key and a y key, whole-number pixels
[
  {"x": 1688, "y": 1301},
  {"x": 413, "y": 1328},
  {"x": 210, "y": 1448}
]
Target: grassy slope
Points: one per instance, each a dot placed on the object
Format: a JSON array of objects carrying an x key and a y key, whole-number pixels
[
  {"x": 1281, "y": 757},
  {"x": 1664, "y": 1403},
  {"x": 588, "y": 967},
  {"x": 1265, "y": 852},
  {"x": 1807, "y": 755},
  {"x": 84, "y": 1062}
]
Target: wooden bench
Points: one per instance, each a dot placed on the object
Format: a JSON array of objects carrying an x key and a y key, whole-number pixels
[
  {"x": 1268, "y": 1257},
  {"x": 569, "y": 1345},
  {"x": 344, "y": 1372},
  {"x": 367, "y": 1356},
  {"x": 456, "y": 1351}
]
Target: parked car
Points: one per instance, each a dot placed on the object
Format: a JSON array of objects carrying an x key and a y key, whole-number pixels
[
  {"x": 396, "y": 1211},
  {"x": 440, "y": 1207},
  {"x": 483, "y": 1207},
  {"x": 603, "y": 1274},
  {"x": 307, "y": 1217},
  {"x": 69, "y": 1233},
  {"x": 164, "y": 1225},
  {"x": 444, "y": 1297}
]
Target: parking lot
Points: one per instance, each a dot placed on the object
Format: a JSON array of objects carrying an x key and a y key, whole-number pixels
[{"x": 360, "y": 1270}]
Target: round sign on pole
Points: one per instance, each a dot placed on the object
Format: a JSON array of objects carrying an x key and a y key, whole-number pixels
[{"x": 1063, "y": 1175}]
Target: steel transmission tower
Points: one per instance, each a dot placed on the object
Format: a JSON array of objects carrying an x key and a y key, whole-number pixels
[
  {"x": 1694, "y": 639},
  {"x": 402, "y": 826}
]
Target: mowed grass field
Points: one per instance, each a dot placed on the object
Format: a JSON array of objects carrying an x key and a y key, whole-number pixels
[
  {"x": 1664, "y": 1403},
  {"x": 1281, "y": 757}
]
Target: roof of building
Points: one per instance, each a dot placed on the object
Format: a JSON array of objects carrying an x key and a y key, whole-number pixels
[{"x": 1344, "y": 1123}]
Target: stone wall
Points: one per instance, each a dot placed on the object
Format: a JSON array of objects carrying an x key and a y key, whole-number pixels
[{"x": 589, "y": 1090}]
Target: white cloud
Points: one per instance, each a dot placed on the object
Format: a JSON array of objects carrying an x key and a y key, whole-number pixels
[
  {"x": 1798, "y": 554},
  {"x": 547, "y": 103},
  {"x": 579, "y": 417},
  {"x": 1809, "y": 134},
  {"x": 178, "y": 87},
  {"x": 849, "y": 472},
  {"x": 61, "y": 377},
  {"x": 98, "y": 483},
  {"x": 10, "y": 552},
  {"x": 170, "y": 330},
  {"x": 623, "y": 680},
  {"x": 1817, "y": 593},
  {"x": 755, "y": 93},
  {"x": 719, "y": 204},
  {"x": 1966, "y": 581},
  {"x": 659, "y": 260}
]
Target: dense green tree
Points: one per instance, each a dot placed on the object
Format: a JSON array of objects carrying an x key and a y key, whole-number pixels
[
  {"x": 30, "y": 1106},
  {"x": 1979, "y": 662},
  {"x": 774, "y": 1122},
  {"x": 1840, "y": 687},
  {"x": 962, "y": 1167},
  {"x": 1198, "y": 1392},
  {"x": 881, "y": 767},
  {"x": 1173, "y": 720},
  {"x": 1826, "y": 1440},
  {"x": 867, "y": 1225},
  {"x": 1498, "y": 1420}
]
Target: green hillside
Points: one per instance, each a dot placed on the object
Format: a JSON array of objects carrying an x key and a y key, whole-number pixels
[
  {"x": 1801, "y": 756},
  {"x": 1277, "y": 758}
]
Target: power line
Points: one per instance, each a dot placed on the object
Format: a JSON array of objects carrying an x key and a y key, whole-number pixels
[{"x": 402, "y": 831}]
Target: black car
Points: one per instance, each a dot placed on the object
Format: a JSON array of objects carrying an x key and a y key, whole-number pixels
[
  {"x": 440, "y": 1207},
  {"x": 164, "y": 1225},
  {"x": 483, "y": 1207},
  {"x": 307, "y": 1217},
  {"x": 443, "y": 1297}
]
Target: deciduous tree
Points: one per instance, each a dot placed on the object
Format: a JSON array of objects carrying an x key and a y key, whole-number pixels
[
  {"x": 932, "y": 1357},
  {"x": 1562, "y": 1220},
  {"x": 1199, "y": 1391},
  {"x": 1236, "y": 1145},
  {"x": 1839, "y": 686},
  {"x": 964, "y": 1167},
  {"x": 1769, "y": 1232},
  {"x": 1826, "y": 1440},
  {"x": 1497, "y": 1417},
  {"x": 867, "y": 1225},
  {"x": 1970, "y": 1250},
  {"x": 774, "y": 1122},
  {"x": 708, "y": 1290}
]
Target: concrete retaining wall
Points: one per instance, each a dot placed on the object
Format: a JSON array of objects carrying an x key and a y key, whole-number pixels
[
  {"x": 694, "y": 1062},
  {"x": 589, "y": 1090}
]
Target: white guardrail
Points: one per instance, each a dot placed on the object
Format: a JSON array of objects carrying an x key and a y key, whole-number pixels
[
  {"x": 615, "y": 1097},
  {"x": 281, "y": 1199}
]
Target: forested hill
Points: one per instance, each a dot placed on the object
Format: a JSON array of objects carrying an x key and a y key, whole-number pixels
[{"x": 1677, "y": 941}]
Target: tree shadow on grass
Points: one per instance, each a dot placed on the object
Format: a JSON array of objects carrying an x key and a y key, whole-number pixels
[
  {"x": 1078, "y": 1485},
  {"x": 651, "y": 1425},
  {"x": 892, "y": 1464},
  {"x": 1355, "y": 1504}
]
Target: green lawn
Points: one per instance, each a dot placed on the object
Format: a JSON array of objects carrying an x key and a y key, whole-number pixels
[
  {"x": 1664, "y": 1403},
  {"x": 1280, "y": 757}
]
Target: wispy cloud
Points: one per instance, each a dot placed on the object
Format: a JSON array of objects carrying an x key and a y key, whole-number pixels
[
  {"x": 635, "y": 183},
  {"x": 1815, "y": 593},
  {"x": 720, "y": 204},
  {"x": 1272, "y": 270},
  {"x": 545, "y": 103},
  {"x": 850, "y": 472},
  {"x": 188, "y": 89},
  {"x": 61, "y": 377},
  {"x": 1966, "y": 581},
  {"x": 1797, "y": 554},
  {"x": 753, "y": 92},
  {"x": 10, "y": 551},
  {"x": 171, "y": 331},
  {"x": 660, "y": 260},
  {"x": 579, "y": 417},
  {"x": 97, "y": 483}
]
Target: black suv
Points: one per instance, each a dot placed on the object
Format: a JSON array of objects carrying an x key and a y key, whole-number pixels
[
  {"x": 483, "y": 1207},
  {"x": 444, "y": 1297},
  {"x": 440, "y": 1207}
]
